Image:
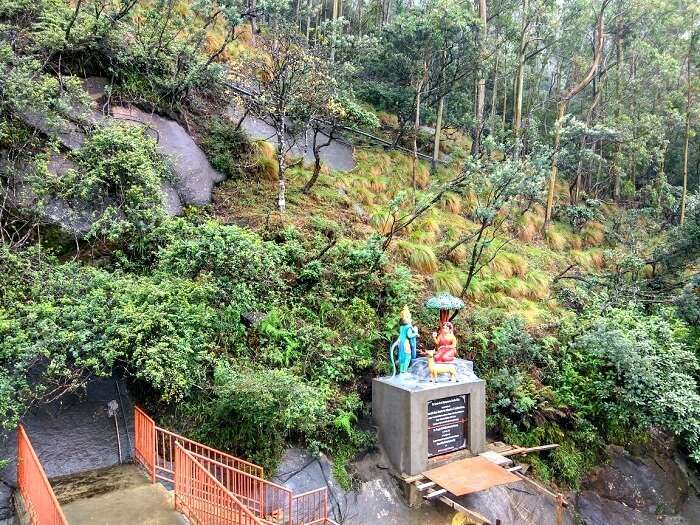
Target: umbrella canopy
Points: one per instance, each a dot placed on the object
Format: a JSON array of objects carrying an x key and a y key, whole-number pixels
[{"x": 444, "y": 302}]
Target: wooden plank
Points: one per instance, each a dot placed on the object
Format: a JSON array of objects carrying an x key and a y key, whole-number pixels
[
  {"x": 499, "y": 446},
  {"x": 423, "y": 486},
  {"x": 435, "y": 493},
  {"x": 472, "y": 515},
  {"x": 495, "y": 457},
  {"x": 526, "y": 450},
  {"x": 469, "y": 475},
  {"x": 533, "y": 482},
  {"x": 517, "y": 468},
  {"x": 411, "y": 479}
]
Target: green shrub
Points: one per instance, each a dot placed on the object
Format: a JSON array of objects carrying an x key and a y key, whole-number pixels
[
  {"x": 255, "y": 411},
  {"x": 229, "y": 149},
  {"x": 119, "y": 175},
  {"x": 625, "y": 371}
]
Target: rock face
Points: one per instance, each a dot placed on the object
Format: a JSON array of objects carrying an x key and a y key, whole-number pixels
[
  {"x": 338, "y": 155},
  {"x": 516, "y": 503},
  {"x": 193, "y": 176},
  {"x": 650, "y": 484},
  {"x": 638, "y": 490},
  {"x": 71, "y": 435},
  {"x": 379, "y": 499}
]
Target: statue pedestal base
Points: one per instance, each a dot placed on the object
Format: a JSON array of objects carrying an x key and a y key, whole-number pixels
[{"x": 423, "y": 424}]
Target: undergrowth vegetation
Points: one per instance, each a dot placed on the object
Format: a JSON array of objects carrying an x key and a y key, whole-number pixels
[{"x": 582, "y": 313}]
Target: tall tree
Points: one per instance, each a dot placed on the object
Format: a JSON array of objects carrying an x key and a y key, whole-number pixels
[
  {"x": 599, "y": 39},
  {"x": 481, "y": 82},
  {"x": 688, "y": 107}
]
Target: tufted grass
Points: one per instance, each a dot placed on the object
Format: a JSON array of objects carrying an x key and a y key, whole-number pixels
[
  {"x": 451, "y": 202},
  {"x": 450, "y": 279},
  {"x": 418, "y": 256},
  {"x": 593, "y": 233}
]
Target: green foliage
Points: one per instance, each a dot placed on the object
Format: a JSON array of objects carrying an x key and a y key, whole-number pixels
[
  {"x": 578, "y": 215},
  {"x": 229, "y": 149},
  {"x": 268, "y": 406},
  {"x": 118, "y": 174},
  {"x": 625, "y": 371},
  {"x": 67, "y": 321}
]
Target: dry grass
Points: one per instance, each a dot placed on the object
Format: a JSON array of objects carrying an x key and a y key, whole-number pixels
[
  {"x": 575, "y": 241},
  {"x": 529, "y": 224},
  {"x": 593, "y": 233},
  {"x": 597, "y": 259},
  {"x": 538, "y": 285},
  {"x": 449, "y": 280},
  {"x": 377, "y": 183},
  {"x": 583, "y": 259},
  {"x": 501, "y": 266},
  {"x": 556, "y": 239},
  {"x": 364, "y": 195},
  {"x": 518, "y": 264},
  {"x": 388, "y": 120},
  {"x": 517, "y": 289},
  {"x": 266, "y": 160},
  {"x": 458, "y": 255},
  {"x": 451, "y": 202},
  {"x": 469, "y": 202},
  {"x": 418, "y": 256},
  {"x": 381, "y": 221},
  {"x": 422, "y": 176}
]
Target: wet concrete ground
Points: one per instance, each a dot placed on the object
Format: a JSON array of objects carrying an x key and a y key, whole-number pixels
[{"x": 136, "y": 501}]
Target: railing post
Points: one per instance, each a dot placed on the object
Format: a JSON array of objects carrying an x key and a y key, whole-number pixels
[{"x": 175, "y": 475}]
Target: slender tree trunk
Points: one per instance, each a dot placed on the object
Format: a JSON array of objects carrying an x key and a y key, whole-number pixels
[
  {"x": 505, "y": 101},
  {"x": 588, "y": 77},
  {"x": 416, "y": 125},
  {"x": 316, "y": 148},
  {"x": 689, "y": 101},
  {"x": 494, "y": 91},
  {"x": 359, "y": 17},
  {"x": 309, "y": 8},
  {"x": 253, "y": 21},
  {"x": 553, "y": 171},
  {"x": 519, "y": 81},
  {"x": 281, "y": 167},
  {"x": 617, "y": 185},
  {"x": 480, "y": 85},
  {"x": 438, "y": 132},
  {"x": 335, "y": 16}
]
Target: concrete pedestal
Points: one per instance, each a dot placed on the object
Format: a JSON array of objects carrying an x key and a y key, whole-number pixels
[{"x": 400, "y": 408}]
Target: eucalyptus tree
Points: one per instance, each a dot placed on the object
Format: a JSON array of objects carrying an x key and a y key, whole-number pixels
[{"x": 421, "y": 56}]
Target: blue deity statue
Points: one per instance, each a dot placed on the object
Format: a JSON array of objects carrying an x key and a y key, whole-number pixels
[{"x": 405, "y": 345}]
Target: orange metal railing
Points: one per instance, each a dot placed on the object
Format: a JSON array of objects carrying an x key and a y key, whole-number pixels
[
  {"x": 157, "y": 449},
  {"x": 202, "y": 498},
  {"x": 266, "y": 500},
  {"x": 311, "y": 508},
  {"x": 39, "y": 499}
]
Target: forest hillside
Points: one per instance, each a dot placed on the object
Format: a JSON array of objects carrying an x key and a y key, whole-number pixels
[{"x": 228, "y": 203}]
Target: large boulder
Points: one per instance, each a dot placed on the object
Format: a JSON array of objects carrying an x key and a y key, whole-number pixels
[
  {"x": 654, "y": 484},
  {"x": 193, "y": 177},
  {"x": 644, "y": 489},
  {"x": 379, "y": 499}
]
